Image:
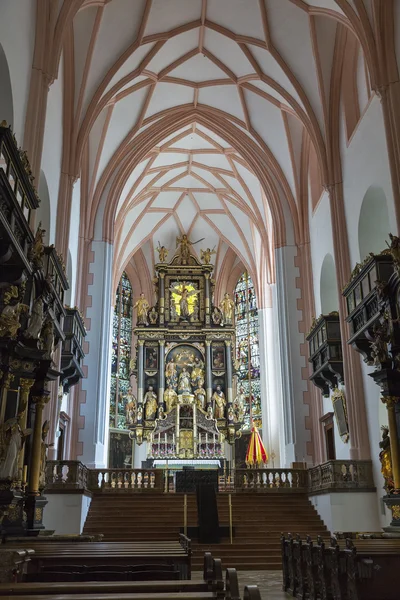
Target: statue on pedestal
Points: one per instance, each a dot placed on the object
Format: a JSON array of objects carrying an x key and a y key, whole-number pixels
[
  {"x": 184, "y": 382},
  {"x": 205, "y": 255},
  {"x": 239, "y": 405},
  {"x": 171, "y": 374},
  {"x": 219, "y": 403},
  {"x": 386, "y": 460},
  {"x": 162, "y": 252},
  {"x": 227, "y": 307},
  {"x": 11, "y": 441},
  {"x": 35, "y": 320},
  {"x": 197, "y": 371},
  {"x": 150, "y": 402},
  {"x": 200, "y": 395},
  {"x": 142, "y": 307},
  {"x": 170, "y": 398},
  {"x": 130, "y": 407}
]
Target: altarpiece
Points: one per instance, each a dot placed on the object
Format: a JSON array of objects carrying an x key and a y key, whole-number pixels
[{"x": 184, "y": 363}]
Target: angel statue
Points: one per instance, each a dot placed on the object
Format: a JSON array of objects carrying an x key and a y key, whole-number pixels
[
  {"x": 162, "y": 252},
  {"x": 205, "y": 255},
  {"x": 184, "y": 294},
  {"x": 184, "y": 248}
]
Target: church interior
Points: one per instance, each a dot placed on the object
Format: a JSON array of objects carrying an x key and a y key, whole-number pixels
[{"x": 200, "y": 299}]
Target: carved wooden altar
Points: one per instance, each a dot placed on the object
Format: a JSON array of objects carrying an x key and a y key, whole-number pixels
[{"x": 184, "y": 364}]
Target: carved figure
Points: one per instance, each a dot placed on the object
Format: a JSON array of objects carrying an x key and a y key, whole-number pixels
[
  {"x": 385, "y": 457},
  {"x": 216, "y": 316},
  {"x": 394, "y": 248},
  {"x": 171, "y": 374},
  {"x": 209, "y": 415},
  {"x": 197, "y": 371},
  {"x": 10, "y": 316},
  {"x": 239, "y": 405},
  {"x": 379, "y": 349},
  {"x": 219, "y": 403},
  {"x": 35, "y": 320},
  {"x": 161, "y": 414},
  {"x": 130, "y": 407},
  {"x": 140, "y": 413},
  {"x": 37, "y": 249},
  {"x": 200, "y": 395},
  {"x": 43, "y": 454},
  {"x": 227, "y": 307},
  {"x": 184, "y": 382},
  {"x": 47, "y": 338},
  {"x": 162, "y": 252},
  {"x": 184, "y": 294},
  {"x": 172, "y": 310},
  {"x": 205, "y": 255},
  {"x": 183, "y": 243},
  {"x": 153, "y": 316},
  {"x": 231, "y": 414},
  {"x": 150, "y": 401},
  {"x": 170, "y": 398},
  {"x": 195, "y": 314},
  {"x": 11, "y": 441},
  {"x": 142, "y": 307}
]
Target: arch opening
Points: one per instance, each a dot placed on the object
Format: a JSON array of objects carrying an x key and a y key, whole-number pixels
[
  {"x": 43, "y": 212},
  {"x": 6, "y": 97},
  {"x": 328, "y": 286},
  {"x": 373, "y": 223}
]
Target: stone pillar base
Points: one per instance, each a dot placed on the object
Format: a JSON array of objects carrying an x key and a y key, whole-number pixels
[
  {"x": 34, "y": 510},
  {"x": 393, "y": 503}
]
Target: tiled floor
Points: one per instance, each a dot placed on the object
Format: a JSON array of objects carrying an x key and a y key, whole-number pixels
[{"x": 269, "y": 583}]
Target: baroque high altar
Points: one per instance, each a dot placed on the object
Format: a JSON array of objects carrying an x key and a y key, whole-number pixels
[{"x": 184, "y": 364}]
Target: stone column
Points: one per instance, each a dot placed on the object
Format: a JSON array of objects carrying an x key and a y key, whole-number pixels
[
  {"x": 229, "y": 375},
  {"x": 34, "y": 472},
  {"x": 207, "y": 299},
  {"x": 161, "y": 371},
  {"x": 25, "y": 385},
  {"x": 161, "y": 297},
  {"x": 140, "y": 372},
  {"x": 208, "y": 372},
  {"x": 391, "y": 402}
]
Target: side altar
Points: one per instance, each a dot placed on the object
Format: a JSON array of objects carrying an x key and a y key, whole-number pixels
[{"x": 184, "y": 365}]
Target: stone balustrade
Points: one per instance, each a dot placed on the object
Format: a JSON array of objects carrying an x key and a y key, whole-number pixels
[{"x": 341, "y": 475}]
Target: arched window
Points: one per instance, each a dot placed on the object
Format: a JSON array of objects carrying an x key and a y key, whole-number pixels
[
  {"x": 247, "y": 349},
  {"x": 121, "y": 352}
]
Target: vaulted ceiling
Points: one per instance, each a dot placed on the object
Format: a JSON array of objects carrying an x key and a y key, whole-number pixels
[{"x": 259, "y": 70}]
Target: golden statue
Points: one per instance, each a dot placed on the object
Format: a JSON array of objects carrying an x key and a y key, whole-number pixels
[
  {"x": 219, "y": 403},
  {"x": 385, "y": 457},
  {"x": 170, "y": 398},
  {"x": 197, "y": 371},
  {"x": 150, "y": 400},
  {"x": 130, "y": 407},
  {"x": 200, "y": 395},
  {"x": 184, "y": 248},
  {"x": 10, "y": 315},
  {"x": 205, "y": 255},
  {"x": 171, "y": 374},
  {"x": 184, "y": 294},
  {"x": 227, "y": 307},
  {"x": 37, "y": 250},
  {"x": 162, "y": 252},
  {"x": 142, "y": 310}
]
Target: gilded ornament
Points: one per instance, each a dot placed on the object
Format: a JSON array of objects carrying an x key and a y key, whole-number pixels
[
  {"x": 395, "y": 508},
  {"x": 37, "y": 250},
  {"x": 38, "y": 514},
  {"x": 142, "y": 307},
  {"x": 11, "y": 313},
  {"x": 205, "y": 255},
  {"x": 162, "y": 252}
]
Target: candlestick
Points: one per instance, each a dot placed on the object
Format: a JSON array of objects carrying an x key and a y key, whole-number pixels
[
  {"x": 24, "y": 474},
  {"x": 206, "y": 438},
  {"x": 159, "y": 443}
]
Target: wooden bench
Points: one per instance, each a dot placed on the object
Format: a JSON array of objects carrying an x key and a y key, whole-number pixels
[
  {"x": 369, "y": 571},
  {"x": 127, "y": 555}
]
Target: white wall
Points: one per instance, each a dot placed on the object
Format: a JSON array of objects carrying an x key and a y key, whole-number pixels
[
  {"x": 347, "y": 511},
  {"x": 73, "y": 508},
  {"x": 52, "y": 147},
  {"x": 73, "y": 243},
  {"x": 17, "y": 36}
]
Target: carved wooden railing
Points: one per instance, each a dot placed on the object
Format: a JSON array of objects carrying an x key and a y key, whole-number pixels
[{"x": 341, "y": 475}]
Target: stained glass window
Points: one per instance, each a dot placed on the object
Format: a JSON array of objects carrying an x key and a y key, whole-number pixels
[
  {"x": 248, "y": 350},
  {"x": 121, "y": 352}
]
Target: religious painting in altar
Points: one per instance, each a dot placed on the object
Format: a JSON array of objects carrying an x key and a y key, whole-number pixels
[
  {"x": 121, "y": 354},
  {"x": 218, "y": 356},
  {"x": 151, "y": 358},
  {"x": 248, "y": 351},
  {"x": 184, "y": 368},
  {"x": 120, "y": 450}
]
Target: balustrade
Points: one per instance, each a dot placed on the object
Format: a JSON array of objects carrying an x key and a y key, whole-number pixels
[
  {"x": 341, "y": 475},
  {"x": 126, "y": 479}
]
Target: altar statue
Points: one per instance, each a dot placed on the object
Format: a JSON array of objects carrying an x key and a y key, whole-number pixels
[
  {"x": 35, "y": 320},
  {"x": 130, "y": 407},
  {"x": 43, "y": 454},
  {"x": 10, "y": 316},
  {"x": 386, "y": 460},
  {"x": 150, "y": 401},
  {"x": 184, "y": 382},
  {"x": 171, "y": 374},
  {"x": 162, "y": 252},
  {"x": 197, "y": 371},
  {"x": 205, "y": 255},
  {"x": 170, "y": 398},
  {"x": 219, "y": 403},
  {"x": 239, "y": 405},
  {"x": 11, "y": 441},
  {"x": 185, "y": 294},
  {"x": 227, "y": 307},
  {"x": 200, "y": 395},
  {"x": 142, "y": 310}
]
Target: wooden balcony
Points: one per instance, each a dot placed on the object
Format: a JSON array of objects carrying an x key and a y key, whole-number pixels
[
  {"x": 326, "y": 352},
  {"x": 72, "y": 350},
  {"x": 17, "y": 200},
  {"x": 365, "y": 300}
]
